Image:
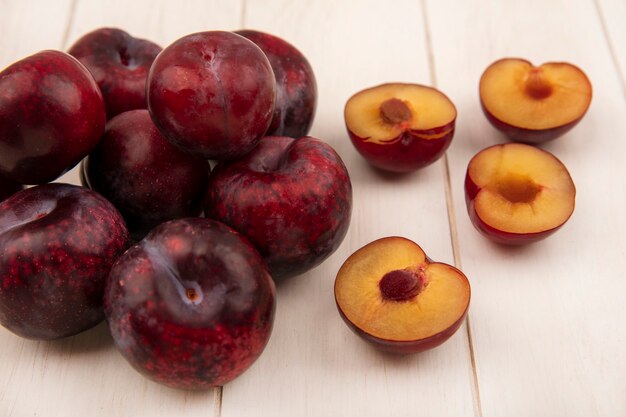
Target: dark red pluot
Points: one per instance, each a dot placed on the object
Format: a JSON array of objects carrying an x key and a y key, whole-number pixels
[
  {"x": 296, "y": 89},
  {"x": 408, "y": 152},
  {"x": 291, "y": 197},
  {"x": 51, "y": 116},
  {"x": 119, "y": 63},
  {"x": 212, "y": 94},
  {"x": 147, "y": 178},
  {"x": 57, "y": 245},
  {"x": 192, "y": 305}
]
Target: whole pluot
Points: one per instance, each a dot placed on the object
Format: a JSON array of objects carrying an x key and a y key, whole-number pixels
[
  {"x": 119, "y": 63},
  {"x": 51, "y": 116},
  {"x": 296, "y": 89},
  {"x": 212, "y": 94},
  {"x": 191, "y": 305},
  {"x": 291, "y": 197},
  {"x": 147, "y": 178},
  {"x": 57, "y": 245}
]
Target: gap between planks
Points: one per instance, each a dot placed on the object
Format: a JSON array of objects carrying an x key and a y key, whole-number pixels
[
  {"x": 69, "y": 24},
  {"x": 607, "y": 37},
  {"x": 454, "y": 236}
]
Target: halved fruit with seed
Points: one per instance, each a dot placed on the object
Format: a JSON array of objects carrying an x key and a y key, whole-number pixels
[
  {"x": 534, "y": 104},
  {"x": 400, "y": 127},
  {"x": 517, "y": 193},
  {"x": 393, "y": 296}
]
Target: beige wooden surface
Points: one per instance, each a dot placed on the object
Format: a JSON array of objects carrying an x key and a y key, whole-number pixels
[{"x": 545, "y": 335}]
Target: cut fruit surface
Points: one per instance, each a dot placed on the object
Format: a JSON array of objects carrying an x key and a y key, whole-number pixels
[
  {"x": 517, "y": 95},
  {"x": 381, "y": 114},
  {"x": 400, "y": 127},
  {"x": 518, "y": 189},
  {"x": 390, "y": 292}
]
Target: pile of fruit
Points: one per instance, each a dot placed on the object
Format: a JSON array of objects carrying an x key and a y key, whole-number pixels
[
  {"x": 182, "y": 258},
  {"x": 189, "y": 300}
]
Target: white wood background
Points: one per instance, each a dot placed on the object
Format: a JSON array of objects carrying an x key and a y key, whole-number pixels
[{"x": 545, "y": 334}]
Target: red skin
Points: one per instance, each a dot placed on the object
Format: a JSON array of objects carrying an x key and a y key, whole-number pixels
[
  {"x": 147, "y": 178},
  {"x": 119, "y": 63},
  {"x": 291, "y": 197},
  {"x": 179, "y": 342},
  {"x": 51, "y": 116},
  {"x": 8, "y": 188},
  {"x": 493, "y": 234},
  {"x": 405, "y": 347},
  {"x": 531, "y": 136},
  {"x": 296, "y": 89},
  {"x": 57, "y": 245},
  {"x": 212, "y": 94},
  {"x": 407, "y": 152}
]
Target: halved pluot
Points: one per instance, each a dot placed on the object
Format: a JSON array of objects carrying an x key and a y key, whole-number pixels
[
  {"x": 534, "y": 104},
  {"x": 393, "y": 296},
  {"x": 400, "y": 127},
  {"x": 518, "y": 194}
]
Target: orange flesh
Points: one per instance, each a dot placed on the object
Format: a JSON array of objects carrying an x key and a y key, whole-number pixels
[
  {"x": 440, "y": 303},
  {"x": 429, "y": 109},
  {"x": 536, "y": 98},
  {"x": 523, "y": 189}
]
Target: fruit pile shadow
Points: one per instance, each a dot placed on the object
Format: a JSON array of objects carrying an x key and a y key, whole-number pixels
[{"x": 93, "y": 341}]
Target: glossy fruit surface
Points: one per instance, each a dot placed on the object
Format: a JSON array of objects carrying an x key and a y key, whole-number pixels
[
  {"x": 146, "y": 177},
  {"x": 51, "y": 116},
  {"x": 191, "y": 305},
  {"x": 119, "y": 63},
  {"x": 291, "y": 197},
  {"x": 296, "y": 88},
  {"x": 57, "y": 245},
  {"x": 212, "y": 94}
]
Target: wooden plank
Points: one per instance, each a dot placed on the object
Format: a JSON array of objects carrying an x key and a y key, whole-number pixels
[
  {"x": 313, "y": 364},
  {"x": 546, "y": 337},
  {"x": 85, "y": 375},
  {"x": 612, "y": 14},
  {"x": 26, "y": 27}
]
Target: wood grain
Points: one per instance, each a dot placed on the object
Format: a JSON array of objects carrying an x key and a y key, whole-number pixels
[
  {"x": 545, "y": 337},
  {"x": 313, "y": 364}
]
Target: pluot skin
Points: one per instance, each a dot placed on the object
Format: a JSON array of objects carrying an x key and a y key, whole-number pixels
[
  {"x": 410, "y": 151},
  {"x": 119, "y": 63},
  {"x": 534, "y": 137},
  {"x": 404, "y": 347},
  {"x": 8, "y": 188},
  {"x": 147, "y": 178},
  {"x": 51, "y": 116},
  {"x": 291, "y": 197},
  {"x": 212, "y": 94},
  {"x": 191, "y": 305},
  {"x": 57, "y": 245},
  {"x": 296, "y": 88}
]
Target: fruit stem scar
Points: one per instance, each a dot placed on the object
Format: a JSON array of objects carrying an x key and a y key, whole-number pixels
[
  {"x": 402, "y": 284},
  {"x": 395, "y": 111},
  {"x": 536, "y": 84},
  {"x": 191, "y": 294}
]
